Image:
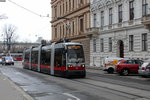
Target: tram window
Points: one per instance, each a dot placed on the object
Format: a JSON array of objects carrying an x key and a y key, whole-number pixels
[
  {"x": 58, "y": 57},
  {"x": 26, "y": 59},
  {"x": 45, "y": 57},
  {"x": 34, "y": 57},
  {"x": 75, "y": 54},
  {"x": 63, "y": 59}
]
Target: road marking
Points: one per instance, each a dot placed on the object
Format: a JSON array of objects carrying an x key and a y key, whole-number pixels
[
  {"x": 70, "y": 95},
  {"x": 141, "y": 99}
]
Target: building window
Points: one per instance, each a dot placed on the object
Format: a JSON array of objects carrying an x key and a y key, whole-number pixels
[
  {"x": 66, "y": 6},
  {"x": 63, "y": 8},
  {"x": 73, "y": 30},
  {"x": 73, "y": 4},
  {"x": 131, "y": 42},
  {"x": 102, "y": 45},
  {"x": 110, "y": 16},
  {"x": 55, "y": 31},
  {"x": 120, "y": 13},
  {"x": 110, "y": 44},
  {"x": 63, "y": 31},
  {"x": 81, "y": 1},
  {"x": 102, "y": 18},
  {"x": 55, "y": 11},
  {"x": 70, "y": 4},
  {"x": 144, "y": 42},
  {"x": 94, "y": 20},
  {"x": 60, "y": 10},
  {"x": 144, "y": 7},
  {"x": 81, "y": 25},
  {"x": 94, "y": 45},
  {"x": 60, "y": 31},
  {"x": 131, "y": 8}
]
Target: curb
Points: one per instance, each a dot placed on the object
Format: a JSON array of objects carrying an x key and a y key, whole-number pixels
[
  {"x": 95, "y": 68},
  {"x": 21, "y": 92}
]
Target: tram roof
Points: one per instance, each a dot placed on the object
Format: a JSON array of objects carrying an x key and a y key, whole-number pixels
[
  {"x": 50, "y": 46},
  {"x": 72, "y": 43},
  {"x": 46, "y": 47}
]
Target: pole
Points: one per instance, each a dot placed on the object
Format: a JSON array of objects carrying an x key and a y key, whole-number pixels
[{"x": 67, "y": 25}]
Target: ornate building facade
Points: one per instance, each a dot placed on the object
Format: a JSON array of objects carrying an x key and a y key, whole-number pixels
[
  {"x": 119, "y": 28},
  {"x": 70, "y": 19}
]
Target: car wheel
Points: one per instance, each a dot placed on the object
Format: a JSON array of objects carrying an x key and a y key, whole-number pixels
[
  {"x": 125, "y": 72},
  {"x": 110, "y": 70},
  {"x": 83, "y": 76}
]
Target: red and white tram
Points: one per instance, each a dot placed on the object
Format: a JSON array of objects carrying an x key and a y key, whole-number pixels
[{"x": 61, "y": 59}]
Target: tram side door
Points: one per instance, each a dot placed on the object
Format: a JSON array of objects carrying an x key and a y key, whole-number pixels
[
  {"x": 39, "y": 58},
  {"x": 52, "y": 59}
]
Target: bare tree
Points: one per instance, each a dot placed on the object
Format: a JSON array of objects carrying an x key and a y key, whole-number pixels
[{"x": 9, "y": 35}]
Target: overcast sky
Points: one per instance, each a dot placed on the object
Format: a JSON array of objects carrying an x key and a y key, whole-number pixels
[{"x": 29, "y": 25}]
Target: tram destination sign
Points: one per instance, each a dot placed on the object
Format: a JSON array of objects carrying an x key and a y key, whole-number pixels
[{"x": 74, "y": 47}]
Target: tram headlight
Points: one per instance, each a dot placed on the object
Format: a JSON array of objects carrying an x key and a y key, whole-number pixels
[
  {"x": 83, "y": 65},
  {"x": 70, "y": 66}
]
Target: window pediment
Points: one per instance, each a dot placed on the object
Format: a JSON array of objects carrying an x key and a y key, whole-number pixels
[
  {"x": 108, "y": 2},
  {"x": 100, "y": 5}
]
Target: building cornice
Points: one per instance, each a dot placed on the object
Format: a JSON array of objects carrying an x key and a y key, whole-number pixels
[
  {"x": 104, "y": 3},
  {"x": 52, "y": 1},
  {"x": 120, "y": 29},
  {"x": 76, "y": 37}
]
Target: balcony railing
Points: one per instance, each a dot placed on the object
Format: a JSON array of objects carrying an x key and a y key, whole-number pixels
[{"x": 92, "y": 31}]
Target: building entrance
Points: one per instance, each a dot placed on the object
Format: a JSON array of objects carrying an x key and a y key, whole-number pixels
[{"x": 121, "y": 49}]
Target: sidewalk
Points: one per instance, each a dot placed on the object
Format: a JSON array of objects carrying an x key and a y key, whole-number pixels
[
  {"x": 94, "y": 68},
  {"x": 10, "y": 91}
]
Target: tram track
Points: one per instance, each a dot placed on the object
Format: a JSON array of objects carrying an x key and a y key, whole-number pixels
[
  {"x": 87, "y": 84},
  {"x": 94, "y": 87},
  {"x": 117, "y": 88},
  {"x": 121, "y": 80}
]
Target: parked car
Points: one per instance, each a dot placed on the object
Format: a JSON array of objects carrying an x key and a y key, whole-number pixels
[
  {"x": 0, "y": 60},
  {"x": 7, "y": 61},
  {"x": 110, "y": 64},
  {"x": 144, "y": 69},
  {"x": 124, "y": 67}
]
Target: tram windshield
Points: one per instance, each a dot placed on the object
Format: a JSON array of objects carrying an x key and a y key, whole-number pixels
[{"x": 75, "y": 54}]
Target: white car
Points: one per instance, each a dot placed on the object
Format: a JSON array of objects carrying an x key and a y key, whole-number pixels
[
  {"x": 7, "y": 61},
  {"x": 110, "y": 64},
  {"x": 0, "y": 60},
  {"x": 144, "y": 69}
]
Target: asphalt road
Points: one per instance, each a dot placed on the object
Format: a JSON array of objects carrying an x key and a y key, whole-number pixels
[{"x": 96, "y": 86}]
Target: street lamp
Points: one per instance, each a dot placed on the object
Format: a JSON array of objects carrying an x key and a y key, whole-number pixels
[{"x": 67, "y": 25}]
